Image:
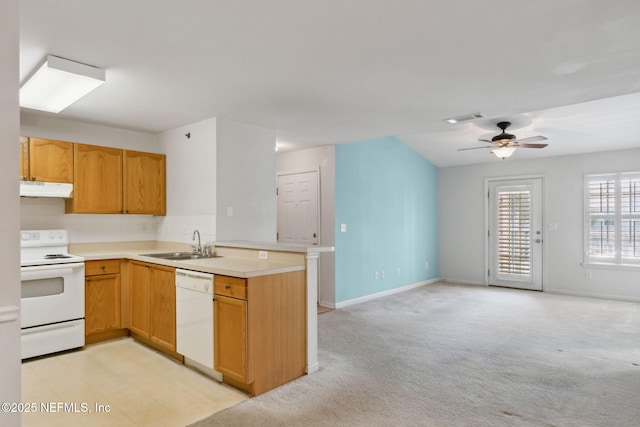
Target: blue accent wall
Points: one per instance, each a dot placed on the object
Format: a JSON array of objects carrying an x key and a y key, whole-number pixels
[{"x": 387, "y": 195}]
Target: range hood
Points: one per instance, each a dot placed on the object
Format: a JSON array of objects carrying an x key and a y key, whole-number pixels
[{"x": 45, "y": 189}]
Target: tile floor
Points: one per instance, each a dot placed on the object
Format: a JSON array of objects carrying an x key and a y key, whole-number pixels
[{"x": 141, "y": 387}]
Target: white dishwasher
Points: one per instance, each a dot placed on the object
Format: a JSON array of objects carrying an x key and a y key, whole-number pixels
[{"x": 194, "y": 320}]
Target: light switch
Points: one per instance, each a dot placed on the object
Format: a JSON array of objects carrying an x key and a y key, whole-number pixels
[
  {"x": 343, "y": 228},
  {"x": 229, "y": 210}
]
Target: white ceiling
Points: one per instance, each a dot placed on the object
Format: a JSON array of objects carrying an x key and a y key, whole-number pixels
[{"x": 335, "y": 71}]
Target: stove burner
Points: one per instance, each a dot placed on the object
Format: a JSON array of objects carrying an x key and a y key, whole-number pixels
[{"x": 56, "y": 256}]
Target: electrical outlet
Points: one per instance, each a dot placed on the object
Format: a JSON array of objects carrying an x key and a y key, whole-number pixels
[
  {"x": 426, "y": 265},
  {"x": 375, "y": 275},
  {"x": 263, "y": 255},
  {"x": 397, "y": 271},
  {"x": 382, "y": 274},
  {"x": 343, "y": 228}
]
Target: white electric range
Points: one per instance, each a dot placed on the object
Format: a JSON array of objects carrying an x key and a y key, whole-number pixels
[{"x": 52, "y": 286}]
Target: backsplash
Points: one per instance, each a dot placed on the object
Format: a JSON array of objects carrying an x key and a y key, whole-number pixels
[{"x": 45, "y": 213}]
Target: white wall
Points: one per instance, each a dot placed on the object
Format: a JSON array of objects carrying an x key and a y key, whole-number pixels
[
  {"x": 461, "y": 211},
  {"x": 191, "y": 183},
  {"x": 50, "y": 127},
  {"x": 45, "y": 213},
  {"x": 324, "y": 158},
  {"x": 10, "y": 370},
  {"x": 246, "y": 182}
]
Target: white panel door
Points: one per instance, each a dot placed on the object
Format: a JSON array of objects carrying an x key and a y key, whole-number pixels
[
  {"x": 515, "y": 233},
  {"x": 298, "y": 208}
]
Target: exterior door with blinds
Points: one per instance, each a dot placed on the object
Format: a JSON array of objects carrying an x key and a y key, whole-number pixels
[{"x": 515, "y": 233}]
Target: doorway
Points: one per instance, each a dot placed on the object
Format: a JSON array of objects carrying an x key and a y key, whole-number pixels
[{"x": 514, "y": 233}]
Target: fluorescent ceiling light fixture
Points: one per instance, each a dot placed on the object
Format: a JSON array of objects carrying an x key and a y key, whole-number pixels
[
  {"x": 467, "y": 117},
  {"x": 59, "y": 83},
  {"x": 503, "y": 152}
]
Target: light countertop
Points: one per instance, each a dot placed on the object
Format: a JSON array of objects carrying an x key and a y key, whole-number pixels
[
  {"x": 225, "y": 265},
  {"x": 267, "y": 246}
]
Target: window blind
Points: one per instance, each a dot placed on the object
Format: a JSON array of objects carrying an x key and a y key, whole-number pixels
[
  {"x": 514, "y": 232},
  {"x": 613, "y": 218}
]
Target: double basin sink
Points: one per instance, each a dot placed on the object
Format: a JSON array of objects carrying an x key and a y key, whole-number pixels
[{"x": 177, "y": 256}]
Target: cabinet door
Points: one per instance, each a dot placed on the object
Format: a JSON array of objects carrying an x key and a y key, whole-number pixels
[
  {"x": 230, "y": 347},
  {"x": 140, "y": 301},
  {"x": 102, "y": 303},
  {"x": 50, "y": 161},
  {"x": 163, "y": 306},
  {"x": 24, "y": 159},
  {"x": 144, "y": 183},
  {"x": 97, "y": 180}
]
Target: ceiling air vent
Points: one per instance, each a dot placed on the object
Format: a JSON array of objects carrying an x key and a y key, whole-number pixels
[{"x": 464, "y": 118}]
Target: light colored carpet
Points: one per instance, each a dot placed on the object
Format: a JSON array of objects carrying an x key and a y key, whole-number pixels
[{"x": 454, "y": 355}]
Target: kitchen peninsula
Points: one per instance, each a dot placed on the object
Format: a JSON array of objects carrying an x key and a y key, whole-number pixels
[{"x": 269, "y": 291}]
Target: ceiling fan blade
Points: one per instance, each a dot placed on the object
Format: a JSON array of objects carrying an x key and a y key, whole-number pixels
[
  {"x": 474, "y": 148},
  {"x": 532, "y": 139},
  {"x": 532, "y": 145},
  {"x": 486, "y": 140}
]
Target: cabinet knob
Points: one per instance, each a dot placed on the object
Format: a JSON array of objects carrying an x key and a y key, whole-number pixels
[
  {"x": 227, "y": 287},
  {"x": 33, "y": 178},
  {"x": 102, "y": 267}
]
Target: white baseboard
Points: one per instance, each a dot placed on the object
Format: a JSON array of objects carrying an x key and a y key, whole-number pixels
[
  {"x": 384, "y": 293},
  {"x": 9, "y": 313},
  {"x": 462, "y": 282},
  {"x": 593, "y": 295}
]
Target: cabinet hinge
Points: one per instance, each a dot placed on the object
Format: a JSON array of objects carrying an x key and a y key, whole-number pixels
[
  {"x": 488, "y": 272},
  {"x": 276, "y": 191}
]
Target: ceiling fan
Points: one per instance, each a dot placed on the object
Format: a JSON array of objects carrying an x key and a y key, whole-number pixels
[{"x": 504, "y": 144}]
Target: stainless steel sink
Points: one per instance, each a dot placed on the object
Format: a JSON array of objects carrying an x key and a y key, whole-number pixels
[{"x": 177, "y": 256}]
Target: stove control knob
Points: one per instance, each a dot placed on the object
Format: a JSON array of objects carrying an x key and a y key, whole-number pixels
[{"x": 24, "y": 236}]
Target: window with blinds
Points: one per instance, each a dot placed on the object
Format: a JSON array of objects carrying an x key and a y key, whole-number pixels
[
  {"x": 612, "y": 223},
  {"x": 514, "y": 232}
]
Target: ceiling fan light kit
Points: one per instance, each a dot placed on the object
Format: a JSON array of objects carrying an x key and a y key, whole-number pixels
[
  {"x": 505, "y": 144},
  {"x": 503, "y": 152}
]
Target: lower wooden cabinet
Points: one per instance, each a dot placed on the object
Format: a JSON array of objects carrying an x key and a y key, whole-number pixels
[
  {"x": 230, "y": 338},
  {"x": 102, "y": 300},
  {"x": 152, "y": 315},
  {"x": 260, "y": 330}
]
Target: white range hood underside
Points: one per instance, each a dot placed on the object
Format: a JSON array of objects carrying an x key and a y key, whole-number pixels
[{"x": 46, "y": 189}]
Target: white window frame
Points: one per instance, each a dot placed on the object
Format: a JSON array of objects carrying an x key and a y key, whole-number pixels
[{"x": 618, "y": 216}]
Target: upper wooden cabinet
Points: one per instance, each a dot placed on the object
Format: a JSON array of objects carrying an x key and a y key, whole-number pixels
[
  {"x": 144, "y": 183},
  {"x": 112, "y": 181},
  {"x": 97, "y": 184},
  {"x": 46, "y": 160}
]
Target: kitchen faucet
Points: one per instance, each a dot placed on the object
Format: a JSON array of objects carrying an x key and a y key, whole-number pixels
[{"x": 197, "y": 249}]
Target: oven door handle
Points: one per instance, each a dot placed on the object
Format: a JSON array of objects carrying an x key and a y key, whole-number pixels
[{"x": 44, "y": 271}]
